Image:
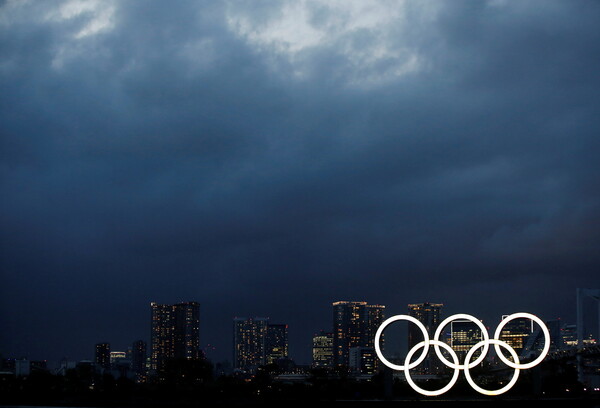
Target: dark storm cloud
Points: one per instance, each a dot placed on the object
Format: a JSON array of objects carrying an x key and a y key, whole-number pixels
[{"x": 171, "y": 153}]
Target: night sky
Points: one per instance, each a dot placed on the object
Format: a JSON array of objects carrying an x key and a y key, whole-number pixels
[{"x": 267, "y": 158}]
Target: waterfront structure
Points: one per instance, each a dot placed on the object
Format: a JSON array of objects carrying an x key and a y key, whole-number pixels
[
  {"x": 354, "y": 325},
  {"x": 322, "y": 350},
  {"x": 102, "y": 355},
  {"x": 249, "y": 342},
  {"x": 175, "y": 333}
]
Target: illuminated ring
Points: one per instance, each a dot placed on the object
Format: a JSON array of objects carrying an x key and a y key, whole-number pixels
[
  {"x": 410, "y": 381},
  {"x": 546, "y": 340},
  {"x": 484, "y": 332},
  {"x": 496, "y": 343},
  {"x": 425, "y": 341}
]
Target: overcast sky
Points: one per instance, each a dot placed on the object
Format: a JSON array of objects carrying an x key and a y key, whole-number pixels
[{"x": 267, "y": 158}]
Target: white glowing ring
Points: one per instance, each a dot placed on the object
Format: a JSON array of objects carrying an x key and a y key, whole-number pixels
[
  {"x": 517, "y": 366},
  {"x": 546, "y": 340},
  {"x": 392, "y": 320},
  {"x": 496, "y": 343},
  {"x": 420, "y": 390},
  {"x": 484, "y": 332}
]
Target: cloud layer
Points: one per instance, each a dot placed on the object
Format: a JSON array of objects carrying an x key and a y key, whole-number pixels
[{"x": 270, "y": 159}]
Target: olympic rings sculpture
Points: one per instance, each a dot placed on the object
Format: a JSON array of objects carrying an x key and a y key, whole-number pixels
[{"x": 467, "y": 365}]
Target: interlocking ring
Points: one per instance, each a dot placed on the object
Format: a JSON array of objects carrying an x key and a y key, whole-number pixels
[
  {"x": 392, "y": 320},
  {"x": 484, "y": 332},
  {"x": 485, "y": 344},
  {"x": 442, "y": 390},
  {"x": 546, "y": 342},
  {"x": 496, "y": 343}
]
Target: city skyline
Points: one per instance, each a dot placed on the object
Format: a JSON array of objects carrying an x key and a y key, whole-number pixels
[
  {"x": 270, "y": 160},
  {"x": 513, "y": 334}
]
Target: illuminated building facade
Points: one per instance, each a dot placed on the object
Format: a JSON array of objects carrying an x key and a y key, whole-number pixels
[
  {"x": 249, "y": 342},
  {"x": 516, "y": 332},
  {"x": 464, "y": 334},
  {"x": 354, "y": 325},
  {"x": 117, "y": 357},
  {"x": 322, "y": 350},
  {"x": 276, "y": 344},
  {"x": 175, "y": 333}
]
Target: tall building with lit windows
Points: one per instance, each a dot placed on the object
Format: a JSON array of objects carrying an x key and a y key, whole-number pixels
[
  {"x": 354, "y": 325},
  {"x": 175, "y": 333},
  {"x": 102, "y": 355},
  {"x": 464, "y": 334},
  {"x": 276, "y": 343},
  {"x": 427, "y": 313},
  {"x": 322, "y": 350},
  {"x": 430, "y": 315},
  {"x": 138, "y": 357},
  {"x": 249, "y": 342},
  {"x": 516, "y": 332}
]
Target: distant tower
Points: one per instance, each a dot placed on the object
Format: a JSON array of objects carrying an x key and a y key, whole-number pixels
[
  {"x": 430, "y": 314},
  {"x": 102, "y": 355},
  {"x": 175, "y": 333},
  {"x": 427, "y": 313},
  {"x": 138, "y": 357},
  {"x": 276, "y": 344},
  {"x": 186, "y": 337},
  {"x": 354, "y": 325},
  {"x": 249, "y": 342},
  {"x": 582, "y": 330},
  {"x": 322, "y": 350},
  {"x": 373, "y": 316}
]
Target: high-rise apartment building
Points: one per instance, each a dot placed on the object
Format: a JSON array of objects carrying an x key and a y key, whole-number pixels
[
  {"x": 175, "y": 333},
  {"x": 427, "y": 313},
  {"x": 276, "y": 344},
  {"x": 249, "y": 342},
  {"x": 256, "y": 342},
  {"x": 102, "y": 355},
  {"x": 354, "y": 325},
  {"x": 430, "y": 315},
  {"x": 138, "y": 357},
  {"x": 322, "y": 350}
]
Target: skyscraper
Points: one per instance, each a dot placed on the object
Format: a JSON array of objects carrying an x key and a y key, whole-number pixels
[
  {"x": 102, "y": 355},
  {"x": 175, "y": 333},
  {"x": 249, "y": 342},
  {"x": 427, "y": 313},
  {"x": 354, "y": 325},
  {"x": 430, "y": 315},
  {"x": 186, "y": 343},
  {"x": 138, "y": 357},
  {"x": 276, "y": 344}
]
